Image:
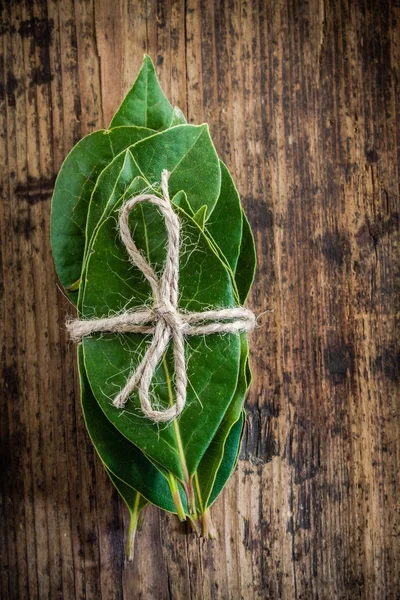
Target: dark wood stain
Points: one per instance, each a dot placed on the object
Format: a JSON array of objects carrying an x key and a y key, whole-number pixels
[
  {"x": 41, "y": 29},
  {"x": 388, "y": 363},
  {"x": 35, "y": 189},
  {"x": 302, "y": 99},
  {"x": 335, "y": 247},
  {"x": 11, "y": 88},
  {"x": 339, "y": 360}
]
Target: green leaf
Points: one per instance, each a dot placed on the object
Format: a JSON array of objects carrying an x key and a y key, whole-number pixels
[
  {"x": 112, "y": 184},
  {"x": 178, "y": 117},
  {"x": 180, "y": 200},
  {"x": 72, "y": 191},
  {"x": 213, "y": 363},
  {"x": 230, "y": 458},
  {"x": 113, "y": 188},
  {"x": 211, "y": 461},
  {"x": 247, "y": 262},
  {"x": 217, "y": 268},
  {"x": 135, "y": 504},
  {"x": 119, "y": 178},
  {"x": 145, "y": 105},
  {"x": 130, "y": 470},
  {"x": 171, "y": 150},
  {"x": 224, "y": 225},
  {"x": 187, "y": 152},
  {"x": 200, "y": 217},
  {"x": 134, "y": 500},
  {"x": 122, "y": 459},
  {"x": 224, "y": 229}
]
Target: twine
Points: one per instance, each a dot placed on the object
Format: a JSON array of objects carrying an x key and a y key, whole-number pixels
[{"x": 163, "y": 320}]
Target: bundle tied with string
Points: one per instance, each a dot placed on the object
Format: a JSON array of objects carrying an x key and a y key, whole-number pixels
[{"x": 163, "y": 320}]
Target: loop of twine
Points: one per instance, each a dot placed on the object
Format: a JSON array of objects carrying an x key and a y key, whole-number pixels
[{"x": 163, "y": 320}]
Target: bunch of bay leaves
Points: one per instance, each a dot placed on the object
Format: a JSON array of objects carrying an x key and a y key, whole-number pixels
[{"x": 180, "y": 466}]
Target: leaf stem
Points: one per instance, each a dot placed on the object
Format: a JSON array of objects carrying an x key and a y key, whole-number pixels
[
  {"x": 208, "y": 526},
  {"x": 188, "y": 485},
  {"x": 133, "y": 522},
  {"x": 198, "y": 492},
  {"x": 195, "y": 524},
  {"x": 208, "y": 529},
  {"x": 176, "y": 497}
]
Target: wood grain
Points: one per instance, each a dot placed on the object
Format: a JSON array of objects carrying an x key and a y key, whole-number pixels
[{"x": 302, "y": 98}]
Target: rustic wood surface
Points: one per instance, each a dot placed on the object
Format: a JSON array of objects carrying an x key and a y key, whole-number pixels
[{"x": 302, "y": 98}]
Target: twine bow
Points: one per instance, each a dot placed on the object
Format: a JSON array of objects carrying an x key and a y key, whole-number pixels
[{"x": 163, "y": 320}]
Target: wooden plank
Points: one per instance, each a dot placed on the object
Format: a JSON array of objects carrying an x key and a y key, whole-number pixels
[{"x": 302, "y": 100}]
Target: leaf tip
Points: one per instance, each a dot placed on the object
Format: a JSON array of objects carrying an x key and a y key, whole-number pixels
[{"x": 147, "y": 61}]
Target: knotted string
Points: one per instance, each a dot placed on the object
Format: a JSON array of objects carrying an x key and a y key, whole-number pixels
[{"x": 163, "y": 320}]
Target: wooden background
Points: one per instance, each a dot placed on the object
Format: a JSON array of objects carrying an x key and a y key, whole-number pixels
[{"x": 302, "y": 98}]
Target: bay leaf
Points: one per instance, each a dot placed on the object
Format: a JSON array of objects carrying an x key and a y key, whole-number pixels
[
  {"x": 247, "y": 262},
  {"x": 229, "y": 459},
  {"x": 202, "y": 186},
  {"x": 200, "y": 217},
  {"x": 180, "y": 200},
  {"x": 178, "y": 117},
  {"x": 171, "y": 150},
  {"x": 212, "y": 459},
  {"x": 110, "y": 186},
  {"x": 136, "y": 505},
  {"x": 108, "y": 358},
  {"x": 73, "y": 188},
  {"x": 224, "y": 225},
  {"x": 208, "y": 470},
  {"x": 126, "y": 464},
  {"x": 145, "y": 104},
  {"x": 122, "y": 458},
  {"x": 188, "y": 154}
]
